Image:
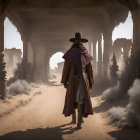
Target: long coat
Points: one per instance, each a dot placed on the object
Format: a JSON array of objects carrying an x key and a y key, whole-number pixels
[{"x": 68, "y": 77}]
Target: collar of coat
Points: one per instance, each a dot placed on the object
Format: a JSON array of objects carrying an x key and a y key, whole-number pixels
[{"x": 78, "y": 55}]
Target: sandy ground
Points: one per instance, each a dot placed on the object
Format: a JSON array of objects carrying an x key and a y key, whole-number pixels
[{"x": 40, "y": 118}]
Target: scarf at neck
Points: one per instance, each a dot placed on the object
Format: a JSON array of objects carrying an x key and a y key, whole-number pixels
[{"x": 78, "y": 55}]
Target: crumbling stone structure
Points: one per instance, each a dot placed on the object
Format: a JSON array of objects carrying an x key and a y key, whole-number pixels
[
  {"x": 47, "y": 26},
  {"x": 2, "y": 63},
  {"x": 122, "y": 43},
  {"x": 9, "y": 57}
]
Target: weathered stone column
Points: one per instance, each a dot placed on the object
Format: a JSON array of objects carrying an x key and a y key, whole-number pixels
[
  {"x": 40, "y": 61},
  {"x": 108, "y": 50},
  {"x": 89, "y": 47},
  {"x": 47, "y": 67},
  {"x": 25, "y": 57},
  {"x": 136, "y": 32},
  {"x": 135, "y": 52},
  {"x": 94, "y": 56},
  {"x": 25, "y": 50},
  {"x": 35, "y": 69},
  {"x": 1, "y": 34},
  {"x": 99, "y": 64},
  {"x": 2, "y": 63}
]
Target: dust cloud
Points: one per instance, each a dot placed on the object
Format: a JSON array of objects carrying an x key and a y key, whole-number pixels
[{"x": 130, "y": 115}]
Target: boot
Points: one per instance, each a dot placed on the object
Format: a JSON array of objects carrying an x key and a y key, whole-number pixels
[
  {"x": 80, "y": 113},
  {"x": 74, "y": 118},
  {"x": 79, "y": 123}
]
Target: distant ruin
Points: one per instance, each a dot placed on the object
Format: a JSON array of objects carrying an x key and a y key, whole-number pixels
[{"x": 12, "y": 58}]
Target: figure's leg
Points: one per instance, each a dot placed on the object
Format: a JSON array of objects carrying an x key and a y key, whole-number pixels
[
  {"x": 74, "y": 117},
  {"x": 80, "y": 114}
]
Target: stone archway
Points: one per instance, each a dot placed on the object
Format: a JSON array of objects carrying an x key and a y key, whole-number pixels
[
  {"x": 52, "y": 22},
  {"x": 12, "y": 47}
]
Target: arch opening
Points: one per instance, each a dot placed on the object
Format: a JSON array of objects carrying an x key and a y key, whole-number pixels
[
  {"x": 124, "y": 30},
  {"x": 56, "y": 64},
  {"x": 13, "y": 47},
  {"x": 122, "y": 38}
]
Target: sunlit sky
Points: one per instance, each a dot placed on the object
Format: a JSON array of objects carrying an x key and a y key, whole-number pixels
[
  {"x": 124, "y": 30},
  {"x": 56, "y": 58},
  {"x": 12, "y": 38}
]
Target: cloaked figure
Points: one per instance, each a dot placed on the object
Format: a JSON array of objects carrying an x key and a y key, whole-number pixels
[{"x": 77, "y": 77}]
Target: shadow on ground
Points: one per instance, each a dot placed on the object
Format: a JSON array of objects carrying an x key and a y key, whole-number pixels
[
  {"x": 105, "y": 106},
  {"x": 126, "y": 134},
  {"x": 54, "y": 133},
  {"x": 53, "y": 83},
  {"x": 95, "y": 93}
]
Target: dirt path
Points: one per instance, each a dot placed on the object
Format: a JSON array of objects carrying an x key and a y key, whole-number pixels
[{"x": 42, "y": 119}]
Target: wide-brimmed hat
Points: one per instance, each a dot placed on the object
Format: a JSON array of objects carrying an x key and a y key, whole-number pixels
[{"x": 78, "y": 38}]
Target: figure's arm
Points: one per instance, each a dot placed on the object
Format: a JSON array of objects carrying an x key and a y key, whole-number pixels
[
  {"x": 65, "y": 73},
  {"x": 89, "y": 70}
]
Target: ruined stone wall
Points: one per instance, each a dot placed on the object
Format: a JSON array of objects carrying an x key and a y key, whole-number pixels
[{"x": 12, "y": 58}]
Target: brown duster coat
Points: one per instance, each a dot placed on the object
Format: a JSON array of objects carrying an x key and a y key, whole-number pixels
[{"x": 68, "y": 76}]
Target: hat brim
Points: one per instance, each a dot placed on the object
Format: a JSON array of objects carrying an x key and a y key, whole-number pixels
[{"x": 80, "y": 40}]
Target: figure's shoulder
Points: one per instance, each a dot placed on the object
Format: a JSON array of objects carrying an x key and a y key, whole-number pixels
[{"x": 67, "y": 52}]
